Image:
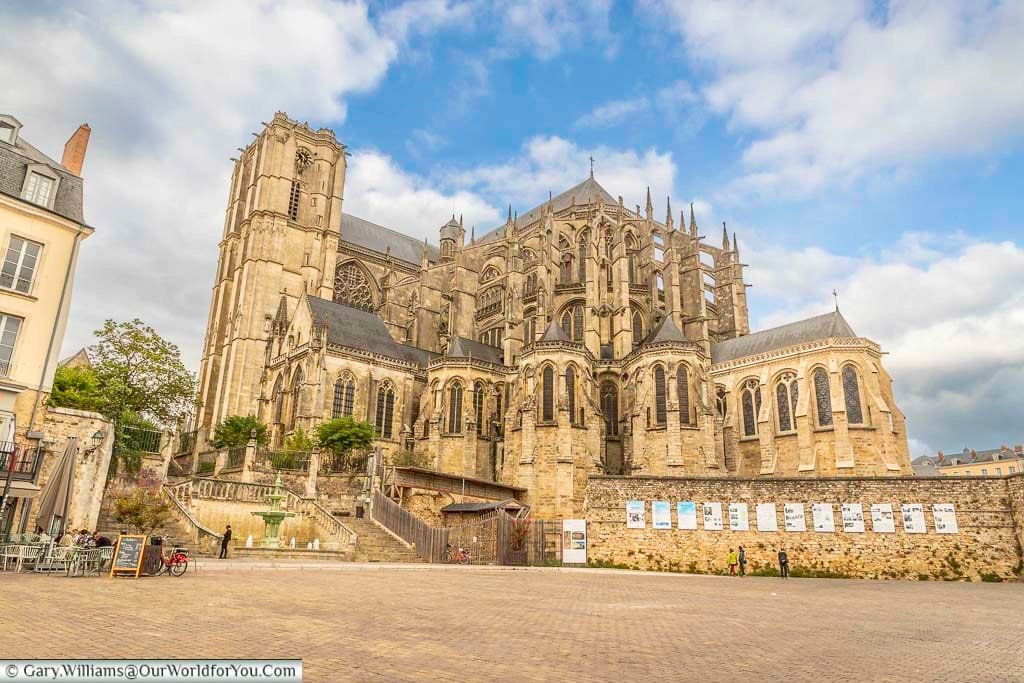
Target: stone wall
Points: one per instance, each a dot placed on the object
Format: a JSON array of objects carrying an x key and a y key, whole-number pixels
[
  {"x": 217, "y": 514},
  {"x": 989, "y": 510}
]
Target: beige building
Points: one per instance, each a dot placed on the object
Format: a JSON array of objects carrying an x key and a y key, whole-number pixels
[
  {"x": 994, "y": 462},
  {"x": 582, "y": 336}
]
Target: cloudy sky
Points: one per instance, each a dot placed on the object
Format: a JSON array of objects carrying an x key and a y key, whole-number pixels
[{"x": 873, "y": 148}]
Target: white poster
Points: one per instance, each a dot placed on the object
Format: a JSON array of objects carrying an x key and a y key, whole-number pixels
[
  {"x": 913, "y": 518},
  {"x": 767, "y": 517},
  {"x": 738, "y": 519},
  {"x": 661, "y": 514},
  {"x": 574, "y": 541},
  {"x": 794, "y": 515},
  {"x": 945, "y": 518},
  {"x": 686, "y": 512},
  {"x": 853, "y": 518},
  {"x": 824, "y": 517},
  {"x": 636, "y": 514},
  {"x": 882, "y": 519},
  {"x": 713, "y": 517}
]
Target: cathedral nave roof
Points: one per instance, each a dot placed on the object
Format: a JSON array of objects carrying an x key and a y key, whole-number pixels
[
  {"x": 363, "y": 330},
  {"x": 460, "y": 347},
  {"x": 831, "y": 324},
  {"x": 363, "y": 233}
]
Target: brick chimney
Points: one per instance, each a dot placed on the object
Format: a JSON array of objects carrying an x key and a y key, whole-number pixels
[{"x": 74, "y": 149}]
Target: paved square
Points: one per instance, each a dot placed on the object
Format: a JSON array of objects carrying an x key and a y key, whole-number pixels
[{"x": 530, "y": 625}]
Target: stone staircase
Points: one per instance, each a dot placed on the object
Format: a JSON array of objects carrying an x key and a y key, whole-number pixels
[
  {"x": 377, "y": 545},
  {"x": 174, "y": 529}
]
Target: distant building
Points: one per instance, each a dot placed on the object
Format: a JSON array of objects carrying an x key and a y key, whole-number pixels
[{"x": 994, "y": 462}]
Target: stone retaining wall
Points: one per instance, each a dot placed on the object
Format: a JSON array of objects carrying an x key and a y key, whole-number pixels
[{"x": 989, "y": 510}]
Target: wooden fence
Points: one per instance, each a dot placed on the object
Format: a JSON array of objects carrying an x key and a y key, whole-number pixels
[{"x": 429, "y": 542}]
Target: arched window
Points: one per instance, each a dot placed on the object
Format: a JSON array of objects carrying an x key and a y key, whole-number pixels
[
  {"x": 660, "y": 411},
  {"x": 499, "y": 408},
  {"x": 531, "y": 284},
  {"x": 683, "y": 393},
  {"x": 786, "y": 395},
  {"x": 822, "y": 397},
  {"x": 851, "y": 392},
  {"x": 478, "y": 406},
  {"x": 490, "y": 272},
  {"x": 385, "y": 412},
  {"x": 529, "y": 326},
  {"x": 659, "y": 247},
  {"x": 493, "y": 336},
  {"x": 572, "y": 322},
  {"x": 547, "y": 408},
  {"x": 277, "y": 399},
  {"x": 446, "y": 248},
  {"x": 610, "y": 408},
  {"x": 721, "y": 402},
  {"x": 296, "y": 397},
  {"x": 638, "y": 328},
  {"x": 631, "y": 259},
  {"x": 570, "y": 392},
  {"x": 751, "y": 399},
  {"x": 659, "y": 287},
  {"x": 608, "y": 247},
  {"x": 565, "y": 273},
  {"x": 455, "y": 408},
  {"x": 351, "y": 286},
  {"x": 344, "y": 397},
  {"x": 490, "y": 301},
  {"x": 582, "y": 256}
]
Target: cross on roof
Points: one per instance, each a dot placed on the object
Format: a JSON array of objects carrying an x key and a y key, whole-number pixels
[{"x": 591, "y": 166}]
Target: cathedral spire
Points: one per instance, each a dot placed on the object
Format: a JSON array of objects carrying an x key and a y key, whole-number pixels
[
  {"x": 508, "y": 221},
  {"x": 650, "y": 205},
  {"x": 472, "y": 234},
  {"x": 725, "y": 237},
  {"x": 693, "y": 221},
  {"x": 735, "y": 246},
  {"x": 668, "y": 212}
]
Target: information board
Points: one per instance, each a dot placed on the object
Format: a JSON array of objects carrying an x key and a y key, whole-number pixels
[
  {"x": 738, "y": 517},
  {"x": 574, "y": 541},
  {"x": 853, "y": 518},
  {"x": 794, "y": 515},
  {"x": 661, "y": 514},
  {"x": 128, "y": 556},
  {"x": 882, "y": 519},
  {"x": 767, "y": 517},
  {"x": 824, "y": 517},
  {"x": 636, "y": 514},
  {"x": 913, "y": 518},
  {"x": 713, "y": 517},
  {"x": 945, "y": 518},
  {"x": 686, "y": 515}
]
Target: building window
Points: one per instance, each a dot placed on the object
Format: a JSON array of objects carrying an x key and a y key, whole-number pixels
[
  {"x": 659, "y": 287},
  {"x": 683, "y": 394},
  {"x": 455, "y": 408},
  {"x": 530, "y": 326},
  {"x": 547, "y": 413},
  {"x": 490, "y": 301},
  {"x": 385, "y": 412},
  {"x": 751, "y": 399},
  {"x": 20, "y": 265},
  {"x": 478, "y": 407},
  {"x": 531, "y": 284},
  {"x": 851, "y": 392},
  {"x": 499, "y": 409},
  {"x": 570, "y": 392},
  {"x": 446, "y": 248},
  {"x": 493, "y": 336},
  {"x": 610, "y": 408},
  {"x": 296, "y": 397},
  {"x": 39, "y": 189},
  {"x": 638, "y": 328},
  {"x": 344, "y": 397},
  {"x": 572, "y": 323},
  {"x": 293, "y": 201},
  {"x": 786, "y": 394},
  {"x": 659, "y": 247},
  {"x": 984, "y": 471},
  {"x": 6, "y": 133},
  {"x": 565, "y": 272},
  {"x": 1012, "y": 469},
  {"x": 822, "y": 397},
  {"x": 721, "y": 402},
  {"x": 9, "y": 328},
  {"x": 660, "y": 412},
  {"x": 351, "y": 286}
]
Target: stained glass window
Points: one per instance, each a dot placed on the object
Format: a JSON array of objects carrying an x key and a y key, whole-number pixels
[
  {"x": 351, "y": 287},
  {"x": 385, "y": 410},
  {"x": 344, "y": 397},
  {"x": 572, "y": 323},
  {"x": 582, "y": 277},
  {"x": 610, "y": 408},
  {"x": 296, "y": 398},
  {"x": 455, "y": 408},
  {"x": 478, "y": 407},
  {"x": 782, "y": 398},
  {"x": 277, "y": 398},
  {"x": 660, "y": 413},
  {"x": 547, "y": 395},
  {"x": 570, "y": 392},
  {"x": 638, "y": 328},
  {"x": 851, "y": 391},
  {"x": 751, "y": 400},
  {"x": 823, "y": 397},
  {"x": 683, "y": 392}
]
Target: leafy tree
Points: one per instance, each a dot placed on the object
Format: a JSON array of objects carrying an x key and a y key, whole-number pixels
[
  {"x": 235, "y": 432},
  {"x": 141, "y": 510},
  {"x": 77, "y": 387},
  {"x": 410, "y": 459},
  {"x": 344, "y": 434},
  {"x": 299, "y": 441}
]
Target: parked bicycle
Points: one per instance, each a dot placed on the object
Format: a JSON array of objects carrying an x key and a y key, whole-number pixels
[
  {"x": 459, "y": 556},
  {"x": 175, "y": 564}
]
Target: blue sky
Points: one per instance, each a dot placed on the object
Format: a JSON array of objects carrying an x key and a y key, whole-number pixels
[{"x": 874, "y": 148}]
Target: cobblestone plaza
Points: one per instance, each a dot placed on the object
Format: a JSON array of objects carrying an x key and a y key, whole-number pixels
[{"x": 376, "y": 623}]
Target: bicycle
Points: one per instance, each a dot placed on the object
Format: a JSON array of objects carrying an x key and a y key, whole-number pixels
[
  {"x": 176, "y": 564},
  {"x": 459, "y": 557}
]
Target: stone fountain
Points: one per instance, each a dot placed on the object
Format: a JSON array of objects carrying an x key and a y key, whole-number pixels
[{"x": 273, "y": 517}]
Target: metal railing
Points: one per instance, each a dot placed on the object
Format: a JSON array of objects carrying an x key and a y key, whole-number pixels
[
  {"x": 138, "y": 439},
  {"x": 294, "y": 461},
  {"x": 429, "y": 542},
  {"x": 207, "y": 463},
  {"x": 186, "y": 442},
  {"x": 27, "y": 460},
  {"x": 235, "y": 459},
  {"x": 343, "y": 463}
]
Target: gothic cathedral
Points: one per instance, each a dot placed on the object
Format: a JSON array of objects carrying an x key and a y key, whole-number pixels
[{"x": 580, "y": 338}]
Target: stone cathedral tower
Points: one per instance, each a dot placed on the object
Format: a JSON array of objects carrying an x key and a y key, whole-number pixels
[{"x": 280, "y": 240}]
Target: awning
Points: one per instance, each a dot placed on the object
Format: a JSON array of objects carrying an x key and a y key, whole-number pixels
[
  {"x": 22, "y": 489},
  {"x": 57, "y": 497}
]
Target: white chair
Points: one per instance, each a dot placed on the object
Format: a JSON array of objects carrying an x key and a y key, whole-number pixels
[
  {"x": 29, "y": 554},
  {"x": 10, "y": 553},
  {"x": 60, "y": 558}
]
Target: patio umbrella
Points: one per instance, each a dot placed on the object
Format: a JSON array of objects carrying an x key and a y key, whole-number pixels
[{"x": 56, "y": 496}]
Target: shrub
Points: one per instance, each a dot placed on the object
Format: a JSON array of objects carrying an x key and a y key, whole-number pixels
[
  {"x": 990, "y": 578},
  {"x": 299, "y": 441},
  {"x": 141, "y": 510},
  {"x": 410, "y": 459},
  {"x": 235, "y": 432}
]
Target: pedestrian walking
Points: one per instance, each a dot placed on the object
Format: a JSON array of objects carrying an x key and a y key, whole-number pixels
[
  {"x": 783, "y": 563},
  {"x": 732, "y": 562},
  {"x": 743, "y": 561},
  {"x": 224, "y": 540}
]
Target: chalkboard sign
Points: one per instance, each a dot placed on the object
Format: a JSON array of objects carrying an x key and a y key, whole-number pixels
[{"x": 128, "y": 556}]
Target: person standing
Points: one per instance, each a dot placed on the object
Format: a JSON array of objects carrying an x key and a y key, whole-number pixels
[
  {"x": 743, "y": 561},
  {"x": 732, "y": 562},
  {"x": 224, "y": 540},
  {"x": 783, "y": 563}
]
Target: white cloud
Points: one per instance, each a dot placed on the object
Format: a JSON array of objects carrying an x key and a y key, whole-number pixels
[
  {"x": 547, "y": 27},
  {"x": 836, "y": 90},
  {"x": 950, "y": 314},
  {"x": 613, "y": 113}
]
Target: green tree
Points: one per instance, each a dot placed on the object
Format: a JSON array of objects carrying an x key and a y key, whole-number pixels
[
  {"x": 344, "y": 434},
  {"x": 141, "y": 510},
  {"x": 299, "y": 441},
  {"x": 235, "y": 432},
  {"x": 77, "y": 387}
]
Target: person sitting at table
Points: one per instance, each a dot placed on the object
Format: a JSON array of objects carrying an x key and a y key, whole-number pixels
[
  {"x": 67, "y": 540},
  {"x": 101, "y": 541}
]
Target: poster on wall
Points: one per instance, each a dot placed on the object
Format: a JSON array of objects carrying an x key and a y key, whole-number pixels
[
  {"x": 661, "y": 514},
  {"x": 882, "y": 519},
  {"x": 853, "y": 518},
  {"x": 824, "y": 517},
  {"x": 794, "y": 516},
  {"x": 767, "y": 517},
  {"x": 913, "y": 518},
  {"x": 636, "y": 514},
  {"x": 945, "y": 518},
  {"x": 738, "y": 519},
  {"x": 713, "y": 517},
  {"x": 574, "y": 541},
  {"x": 686, "y": 512}
]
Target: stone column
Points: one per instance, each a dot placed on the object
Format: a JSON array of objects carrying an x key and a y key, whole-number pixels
[
  {"x": 249, "y": 463},
  {"x": 311, "y": 475},
  {"x": 218, "y": 464}
]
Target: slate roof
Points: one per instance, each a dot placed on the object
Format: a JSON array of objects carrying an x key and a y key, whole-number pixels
[
  {"x": 363, "y": 330},
  {"x": 14, "y": 162},
  {"x": 666, "y": 331},
  {"x": 460, "y": 347},
  {"x": 965, "y": 457},
  {"x": 363, "y": 233},
  {"x": 555, "y": 333},
  {"x": 483, "y": 506},
  {"x": 812, "y": 329},
  {"x": 582, "y": 192}
]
